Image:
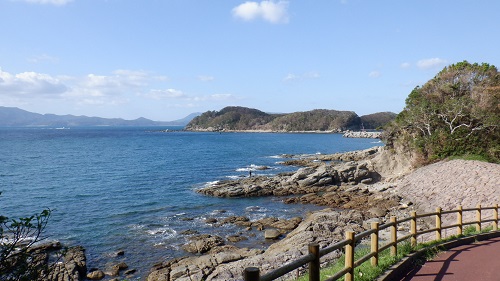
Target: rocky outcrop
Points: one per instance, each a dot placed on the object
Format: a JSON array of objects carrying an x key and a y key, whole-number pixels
[
  {"x": 341, "y": 181},
  {"x": 362, "y": 134},
  {"x": 72, "y": 268},
  {"x": 304, "y": 181},
  {"x": 227, "y": 262},
  {"x": 203, "y": 243}
]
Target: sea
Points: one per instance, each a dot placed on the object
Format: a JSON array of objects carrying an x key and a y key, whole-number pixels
[{"x": 133, "y": 189}]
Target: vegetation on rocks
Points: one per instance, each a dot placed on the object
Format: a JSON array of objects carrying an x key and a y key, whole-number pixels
[
  {"x": 236, "y": 118},
  {"x": 455, "y": 113}
]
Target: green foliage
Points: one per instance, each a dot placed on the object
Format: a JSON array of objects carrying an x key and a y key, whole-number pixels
[
  {"x": 377, "y": 120},
  {"x": 18, "y": 260},
  {"x": 455, "y": 113},
  {"x": 242, "y": 118}
]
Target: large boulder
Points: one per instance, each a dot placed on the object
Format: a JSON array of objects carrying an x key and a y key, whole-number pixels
[{"x": 203, "y": 243}]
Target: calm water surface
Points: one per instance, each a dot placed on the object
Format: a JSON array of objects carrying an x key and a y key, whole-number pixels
[{"x": 132, "y": 189}]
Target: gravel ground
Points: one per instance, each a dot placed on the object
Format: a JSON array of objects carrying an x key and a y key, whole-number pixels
[{"x": 448, "y": 184}]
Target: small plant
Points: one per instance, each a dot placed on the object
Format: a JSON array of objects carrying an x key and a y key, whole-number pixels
[{"x": 18, "y": 259}]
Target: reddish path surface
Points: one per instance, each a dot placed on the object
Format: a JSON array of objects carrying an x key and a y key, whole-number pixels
[{"x": 474, "y": 262}]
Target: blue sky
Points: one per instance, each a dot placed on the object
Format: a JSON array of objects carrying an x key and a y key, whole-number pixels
[{"x": 164, "y": 59}]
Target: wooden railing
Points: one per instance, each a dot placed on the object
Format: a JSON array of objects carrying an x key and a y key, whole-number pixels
[{"x": 351, "y": 239}]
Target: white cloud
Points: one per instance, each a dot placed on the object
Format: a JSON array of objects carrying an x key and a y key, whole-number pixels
[
  {"x": 431, "y": 63},
  {"x": 29, "y": 84},
  {"x": 268, "y": 10},
  {"x": 291, "y": 77},
  {"x": 374, "y": 74},
  {"x": 49, "y": 2},
  {"x": 119, "y": 87}
]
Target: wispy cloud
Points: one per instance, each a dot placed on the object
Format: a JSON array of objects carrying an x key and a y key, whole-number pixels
[
  {"x": 374, "y": 74},
  {"x": 166, "y": 94},
  {"x": 49, "y": 2},
  {"x": 298, "y": 77},
  {"x": 43, "y": 58},
  {"x": 206, "y": 78},
  {"x": 405, "y": 65},
  {"x": 431, "y": 63},
  {"x": 119, "y": 87},
  {"x": 268, "y": 10}
]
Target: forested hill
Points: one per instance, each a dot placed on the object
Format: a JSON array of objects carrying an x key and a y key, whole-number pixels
[{"x": 248, "y": 119}]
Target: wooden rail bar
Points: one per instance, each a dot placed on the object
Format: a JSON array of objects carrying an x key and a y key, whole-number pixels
[
  {"x": 363, "y": 234},
  {"x": 287, "y": 268},
  {"x": 336, "y": 246},
  {"x": 413, "y": 229},
  {"x": 459, "y": 220},
  {"x": 349, "y": 256},
  {"x": 426, "y": 215},
  {"x": 448, "y": 212},
  {"x": 394, "y": 236},
  {"x": 438, "y": 223},
  {"x": 338, "y": 274},
  {"x": 313, "y": 258},
  {"x": 478, "y": 218},
  {"x": 427, "y": 231},
  {"x": 374, "y": 244},
  {"x": 314, "y": 265},
  {"x": 495, "y": 217},
  {"x": 404, "y": 238},
  {"x": 362, "y": 260},
  {"x": 405, "y": 219},
  {"x": 251, "y": 274}
]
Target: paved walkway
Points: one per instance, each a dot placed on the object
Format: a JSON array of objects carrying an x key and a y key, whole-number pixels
[{"x": 474, "y": 262}]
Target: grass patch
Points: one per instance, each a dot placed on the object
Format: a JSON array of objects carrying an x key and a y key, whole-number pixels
[{"x": 476, "y": 157}]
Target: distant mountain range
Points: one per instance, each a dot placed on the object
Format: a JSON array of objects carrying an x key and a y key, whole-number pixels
[
  {"x": 235, "y": 118},
  {"x": 15, "y": 117}
]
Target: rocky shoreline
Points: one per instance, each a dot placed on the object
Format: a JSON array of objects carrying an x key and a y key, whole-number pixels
[
  {"x": 356, "y": 188},
  {"x": 346, "y": 184}
]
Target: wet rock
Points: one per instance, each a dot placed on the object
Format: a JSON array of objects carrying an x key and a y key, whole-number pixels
[
  {"x": 189, "y": 232},
  {"x": 96, "y": 275},
  {"x": 236, "y": 238},
  {"x": 211, "y": 220},
  {"x": 272, "y": 234}
]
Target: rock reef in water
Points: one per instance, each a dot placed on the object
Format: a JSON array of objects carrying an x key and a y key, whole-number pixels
[{"x": 362, "y": 134}]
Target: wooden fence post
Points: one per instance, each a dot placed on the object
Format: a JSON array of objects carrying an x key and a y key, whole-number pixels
[
  {"x": 374, "y": 244},
  {"x": 251, "y": 274},
  {"x": 349, "y": 256},
  {"x": 495, "y": 217},
  {"x": 459, "y": 220},
  {"x": 438, "y": 223},
  {"x": 314, "y": 265},
  {"x": 394, "y": 236},
  {"x": 478, "y": 218},
  {"x": 413, "y": 229}
]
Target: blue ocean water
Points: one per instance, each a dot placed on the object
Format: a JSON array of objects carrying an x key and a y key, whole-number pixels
[{"x": 133, "y": 189}]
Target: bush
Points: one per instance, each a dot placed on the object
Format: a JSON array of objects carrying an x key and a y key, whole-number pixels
[{"x": 456, "y": 113}]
